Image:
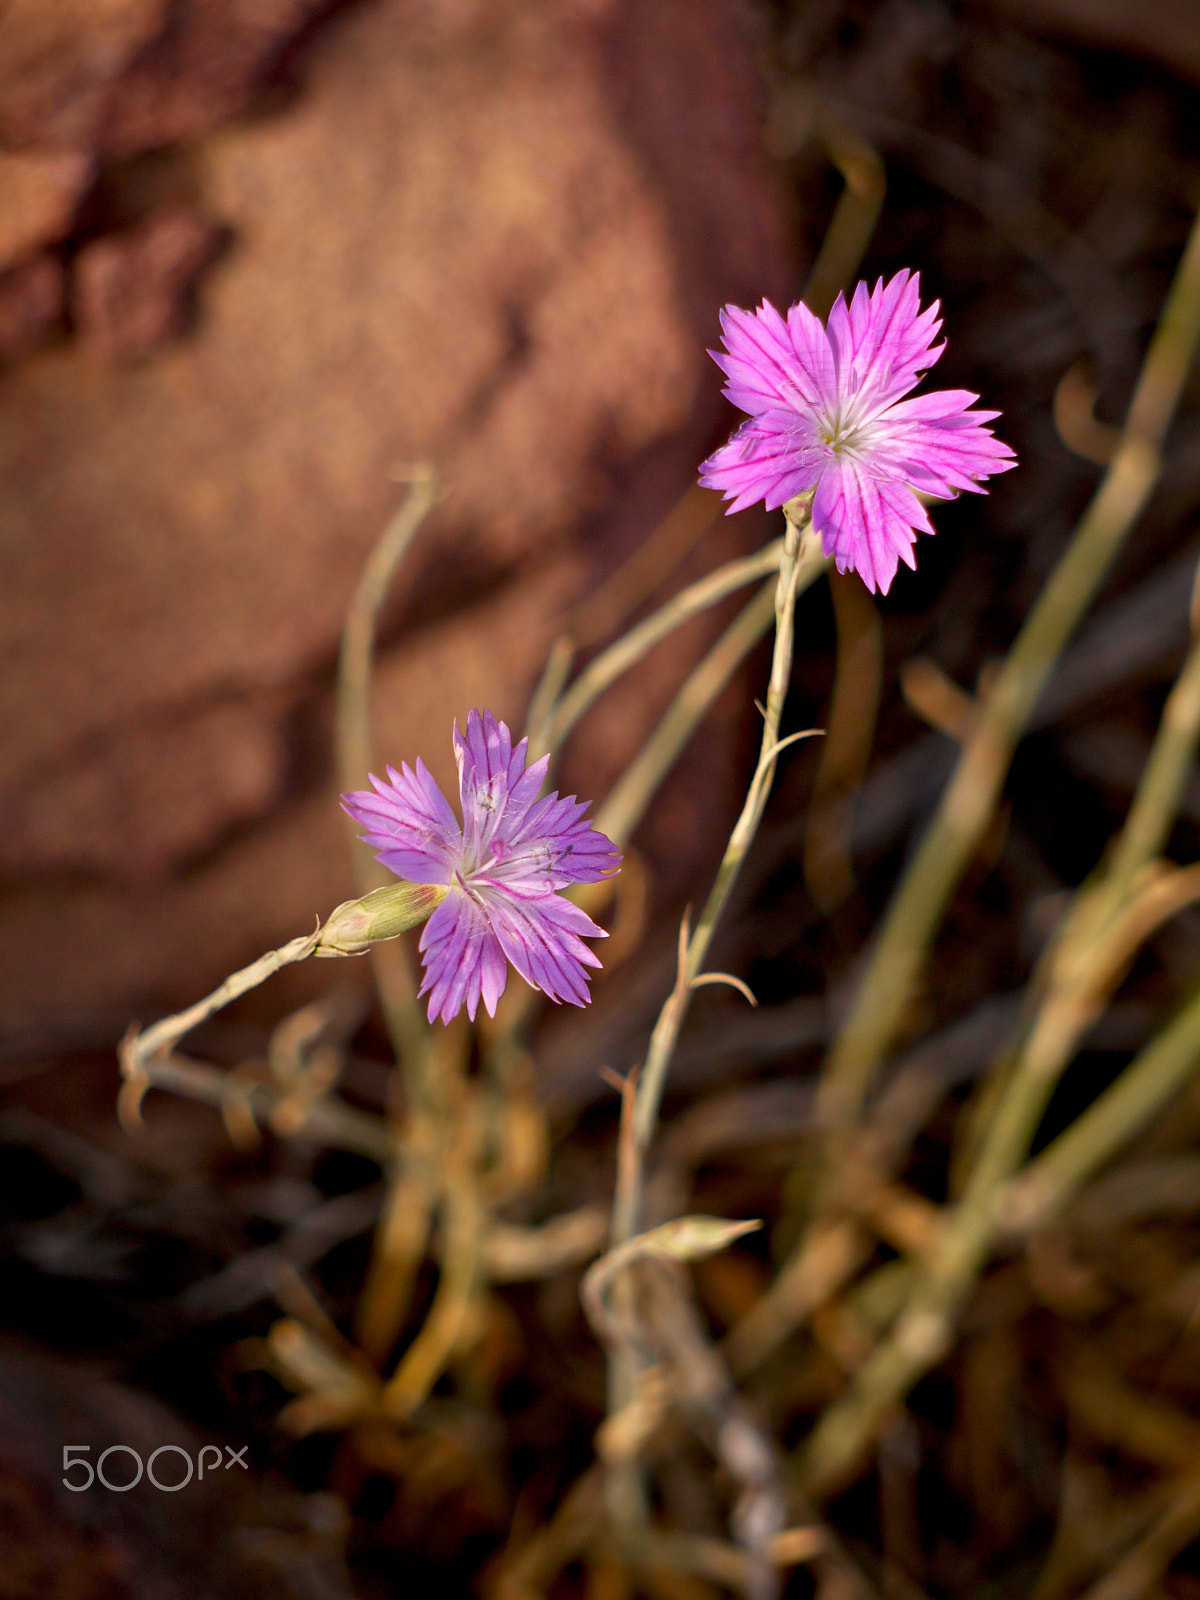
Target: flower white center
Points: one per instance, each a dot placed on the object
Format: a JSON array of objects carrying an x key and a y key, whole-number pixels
[{"x": 845, "y": 431}]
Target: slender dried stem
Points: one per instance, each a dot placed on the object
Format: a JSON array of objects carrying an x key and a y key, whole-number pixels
[
  {"x": 653, "y": 560},
  {"x": 1138, "y": 1572},
  {"x": 527, "y": 1573},
  {"x": 1156, "y": 802},
  {"x": 627, "y": 802},
  {"x": 612, "y": 663},
  {"x": 1118, "y": 1115},
  {"x": 138, "y": 1049},
  {"x": 432, "y": 1349},
  {"x": 550, "y": 685},
  {"x": 1107, "y": 923},
  {"x": 391, "y": 967},
  {"x": 327, "y": 1121}
]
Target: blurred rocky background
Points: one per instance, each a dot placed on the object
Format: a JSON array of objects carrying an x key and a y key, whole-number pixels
[{"x": 254, "y": 255}]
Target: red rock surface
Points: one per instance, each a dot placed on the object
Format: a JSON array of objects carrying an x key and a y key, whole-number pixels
[
  {"x": 132, "y": 289},
  {"x": 38, "y": 195},
  {"x": 31, "y": 304},
  {"x": 485, "y": 234},
  {"x": 59, "y": 60}
]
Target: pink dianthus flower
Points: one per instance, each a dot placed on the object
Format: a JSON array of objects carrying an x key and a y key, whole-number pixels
[
  {"x": 502, "y": 870},
  {"x": 826, "y": 414}
]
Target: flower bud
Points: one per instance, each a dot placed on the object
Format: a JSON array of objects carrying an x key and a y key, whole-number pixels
[{"x": 356, "y": 925}]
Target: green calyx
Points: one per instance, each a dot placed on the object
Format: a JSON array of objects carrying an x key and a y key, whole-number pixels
[{"x": 356, "y": 925}]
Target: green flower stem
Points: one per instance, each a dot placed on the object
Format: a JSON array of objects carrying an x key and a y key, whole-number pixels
[
  {"x": 625, "y": 1493},
  {"x": 803, "y": 562},
  {"x": 800, "y": 562},
  {"x": 967, "y": 806},
  {"x": 793, "y": 562},
  {"x": 147, "y": 1056}
]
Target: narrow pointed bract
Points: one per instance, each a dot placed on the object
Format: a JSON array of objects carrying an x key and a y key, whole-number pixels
[
  {"x": 502, "y": 869},
  {"x": 826, "y": 413}
]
